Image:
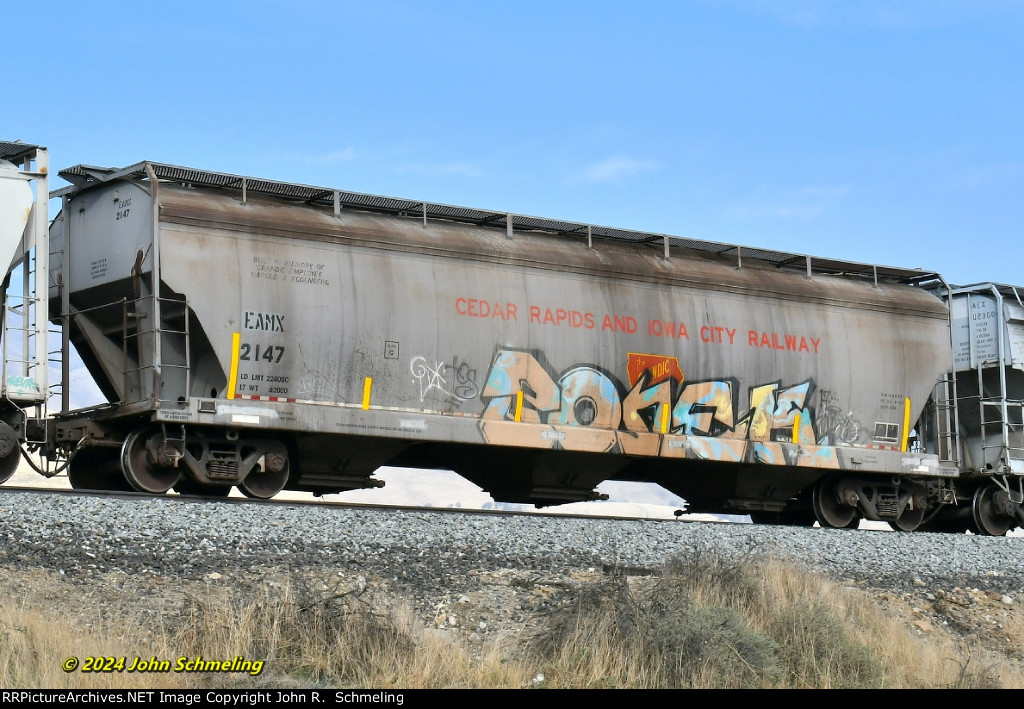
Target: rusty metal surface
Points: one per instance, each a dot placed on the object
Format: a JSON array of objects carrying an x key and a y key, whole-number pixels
[
  {"x": 608, "y": 259},
  {"x": 85, "y": 177}
]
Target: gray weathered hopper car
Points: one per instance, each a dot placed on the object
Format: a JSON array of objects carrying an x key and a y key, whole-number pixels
[
  {"x": 24, "y": 388},
  {"x": 988, "y": 346},
  {"x": 277, "y": 336}
]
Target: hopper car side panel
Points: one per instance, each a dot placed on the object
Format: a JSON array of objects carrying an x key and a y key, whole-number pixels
[{"x": 694, "y": 361}]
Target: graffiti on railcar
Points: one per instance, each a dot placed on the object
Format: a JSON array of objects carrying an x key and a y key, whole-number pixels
[
  {"x": 660, "y": 414},
  {"x": 313, "y": 386},
  {"x": 835, "y": 426},
  {"x": 453, "y": 382}
]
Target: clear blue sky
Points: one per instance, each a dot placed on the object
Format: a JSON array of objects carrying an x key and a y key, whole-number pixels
[{"x": 875, "y": 131}]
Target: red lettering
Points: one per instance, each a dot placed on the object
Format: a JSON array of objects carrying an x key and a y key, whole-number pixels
[
  {"x": 777, "y": 341},
  {"x": 665, "y": 328},
  {"x": 620, "y": 323},
  {"x": 550, "y": 316},
  {"x": 716, "y": 333},
  {"x": 476, "y": 308}
]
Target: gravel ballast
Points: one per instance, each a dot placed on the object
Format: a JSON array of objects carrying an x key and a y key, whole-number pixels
[{"x": 82, "y": 535}]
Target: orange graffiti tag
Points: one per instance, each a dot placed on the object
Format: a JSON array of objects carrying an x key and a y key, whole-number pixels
[{"x": 660, "y": 366}]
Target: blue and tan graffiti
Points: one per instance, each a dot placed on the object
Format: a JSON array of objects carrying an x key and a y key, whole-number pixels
[{"x": 661, "y": 414}]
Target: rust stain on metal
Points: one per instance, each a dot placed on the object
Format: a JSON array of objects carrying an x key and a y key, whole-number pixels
[{"x": 614, "y": 261}]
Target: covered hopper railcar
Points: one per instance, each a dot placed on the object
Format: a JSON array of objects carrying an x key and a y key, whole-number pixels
[{"x": 274, "y": 336}]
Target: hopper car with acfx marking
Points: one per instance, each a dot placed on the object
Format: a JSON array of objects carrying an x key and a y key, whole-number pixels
[{"x": 272, "y": 336}]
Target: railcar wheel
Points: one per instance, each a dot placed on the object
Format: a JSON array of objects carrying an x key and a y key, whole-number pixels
[
  {"x": 988, "y": 512},
  {"x": 909, "y": 521},
  {"x": 830, "y": 510},
  {"x": 263, "y": 482},
  {"x": 97, "y": 469},
  {"x": 10, "y": 452},
  {"x": 140, "y": 469}
]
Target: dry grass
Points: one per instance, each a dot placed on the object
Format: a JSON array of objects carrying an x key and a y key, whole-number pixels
[
  {"x": 34, "y": 646},
  {"x": 706, "y": 623},
  {"x": 702, "y": 623}
]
